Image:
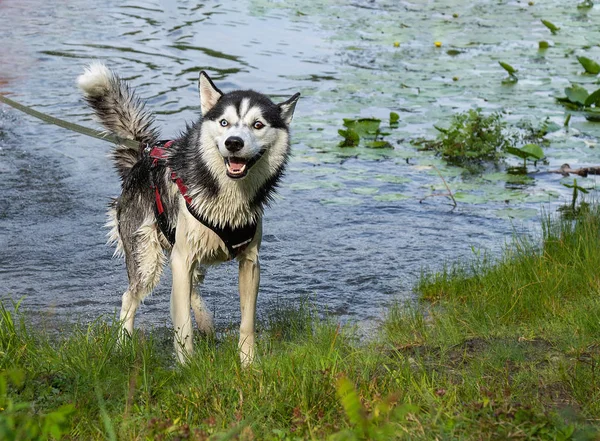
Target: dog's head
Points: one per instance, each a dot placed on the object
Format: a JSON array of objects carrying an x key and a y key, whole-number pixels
[{"x": 244, "y": 126}]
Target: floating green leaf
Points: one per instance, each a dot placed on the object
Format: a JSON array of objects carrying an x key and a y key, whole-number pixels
[
  {"x": 528, "y": 151},
  {"x": 394, "y": 118},
  {"x": 517, "y": 213},
  {"x": 590, "y": 66},
  {"x": 577, "y": 94},
  {"x": 548, "y": 126},
  {"x": 363, "y": 126},
  {"x": 390, "y": 197},
  {"x": 368, "y": 191},
  {"x": 351, "y": 138},
  {"x": 534, "y": 151},
  {"x": 543, "y": 45},
  {"x": 508, "y": 68},
  {"x": 585, "y": 4},
  {"x": 517, "y": 152},
  {"x": 553, "y": 28},
  {"x": 593, "y": 99},
  {"x": 379, "y": 145}
]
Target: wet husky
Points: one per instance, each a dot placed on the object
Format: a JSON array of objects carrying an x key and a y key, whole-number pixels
[{"x": 197, "y": 200}]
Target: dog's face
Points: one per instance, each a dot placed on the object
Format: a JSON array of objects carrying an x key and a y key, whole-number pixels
[{"x": 245, "y": 125}]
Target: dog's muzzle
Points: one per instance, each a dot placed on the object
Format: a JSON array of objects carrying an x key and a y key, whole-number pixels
[{"x": 237, "y": 167}]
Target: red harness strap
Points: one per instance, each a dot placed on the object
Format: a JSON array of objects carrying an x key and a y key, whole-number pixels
[
  {"x": 182, "y": 187},
  {"x": 159, "y": 153}
]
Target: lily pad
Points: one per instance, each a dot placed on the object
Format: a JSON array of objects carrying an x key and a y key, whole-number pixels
[
  {"x": 341, "y": 201},
  {"x": 508, "y": 68},
  {"x": 533, "y": 150},
  {"x": 593, "y": 99},
  {"x": 351, "y": 138},
  {"x": 365, "y": 190},
  {"x": 553, "y": 28},
  {"x": 577, "y": 94},
  {"x": 312, "y": 185},
  {"x": 529, "y": 151},
  {"x": 585, "y": 4},
  {"x": 379, "y": 145},
  {"x": 392, "y": 179},
  {"x": 590, "y": 66},
  {"x": 390, "y": 197},
  {"x": 517, "y": 213},
  {"x": 363, "y": 126}
]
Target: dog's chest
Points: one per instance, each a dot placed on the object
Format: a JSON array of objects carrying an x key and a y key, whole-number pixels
[{"x": 199, "y": 242}]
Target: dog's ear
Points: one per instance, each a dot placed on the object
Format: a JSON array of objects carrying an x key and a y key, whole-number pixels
[
  {"x": 209, "y": 93},
  {"x": 287, "y": 108}
]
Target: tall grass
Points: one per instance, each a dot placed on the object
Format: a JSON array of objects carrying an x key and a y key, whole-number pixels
[
  {"x": 493, "y": 350},
  {"x": 536, "y": 290}
]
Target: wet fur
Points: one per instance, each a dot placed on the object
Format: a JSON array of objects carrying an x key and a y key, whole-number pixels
[{"x": 197, "y": 156}]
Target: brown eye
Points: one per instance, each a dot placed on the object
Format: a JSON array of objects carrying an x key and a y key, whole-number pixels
[{"x": 258, "y": 125}]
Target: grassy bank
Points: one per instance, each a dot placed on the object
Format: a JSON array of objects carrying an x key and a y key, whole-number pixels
[{"x": 504, "y": 350}]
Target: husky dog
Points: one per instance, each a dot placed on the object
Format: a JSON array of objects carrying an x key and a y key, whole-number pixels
[{"x": 198, "y": 199}]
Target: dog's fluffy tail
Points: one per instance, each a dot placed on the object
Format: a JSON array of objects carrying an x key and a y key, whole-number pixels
[{"x": 120, "y": 111}]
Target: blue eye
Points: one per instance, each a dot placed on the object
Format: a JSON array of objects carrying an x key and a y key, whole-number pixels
[{"x": 223, "y": 123}]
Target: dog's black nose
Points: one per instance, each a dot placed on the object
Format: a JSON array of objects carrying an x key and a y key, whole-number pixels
[{"x": 234, "y": 143}]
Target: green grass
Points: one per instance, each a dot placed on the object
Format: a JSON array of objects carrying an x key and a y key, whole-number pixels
[{"x": 492, "y": 350}]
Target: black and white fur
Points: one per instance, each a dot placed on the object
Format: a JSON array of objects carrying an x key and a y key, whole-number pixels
[{"x": 231, "y": 160}]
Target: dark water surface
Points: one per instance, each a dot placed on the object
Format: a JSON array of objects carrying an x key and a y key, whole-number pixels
[{"x": 347, "y": 229}]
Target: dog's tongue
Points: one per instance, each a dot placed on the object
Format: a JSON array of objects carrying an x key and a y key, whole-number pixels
[{"x": 236, "y": 165}]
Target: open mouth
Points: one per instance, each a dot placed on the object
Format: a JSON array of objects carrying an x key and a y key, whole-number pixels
[{"x": 238, "y": 167}]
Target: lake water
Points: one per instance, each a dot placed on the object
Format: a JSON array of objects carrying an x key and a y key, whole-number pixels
[{"x": 347, "y": 230}]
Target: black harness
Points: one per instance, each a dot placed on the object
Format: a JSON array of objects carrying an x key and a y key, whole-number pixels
[{"x": 235, "y": 239}]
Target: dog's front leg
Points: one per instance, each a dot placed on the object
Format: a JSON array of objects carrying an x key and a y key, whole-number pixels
[
  {"x": 180, "y": 302},
  {"x": 249, "y": 281}
]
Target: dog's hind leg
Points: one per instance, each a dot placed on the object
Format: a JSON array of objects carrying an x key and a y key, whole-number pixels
[
  {"x": 204, "y": 319},
  {"x": 145, "y": 260}
]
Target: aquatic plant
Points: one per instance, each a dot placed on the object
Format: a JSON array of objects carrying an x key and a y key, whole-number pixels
[
  {"x": 589, "y": 65},
  {"x": 571, "y": 211},
  {"x": 529, "y": 151},
  {"x": 472, "y": 137},
  {"x": 578, "y": 98},
  {"x": 367, "y": 129},
  {"x": 551, "y": 26},
  {"x": 512, "y": 77}
]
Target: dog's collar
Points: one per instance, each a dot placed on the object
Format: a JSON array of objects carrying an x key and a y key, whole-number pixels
[{"x": 235, "y": 239}]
